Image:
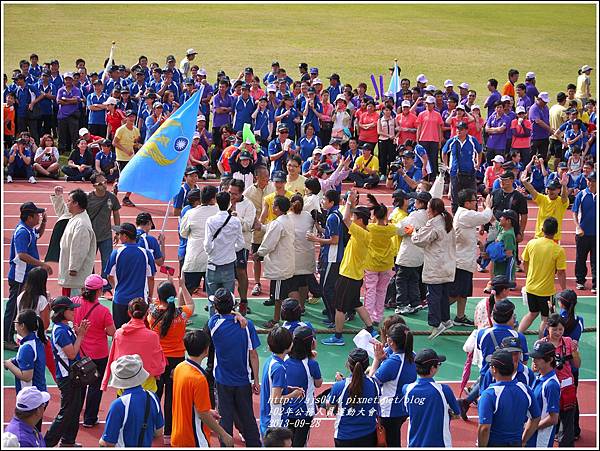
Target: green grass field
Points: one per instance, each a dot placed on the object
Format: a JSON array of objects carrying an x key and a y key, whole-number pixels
[{"x": 463, "y": 42}]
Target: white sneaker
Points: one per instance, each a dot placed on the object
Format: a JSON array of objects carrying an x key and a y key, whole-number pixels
[
  {"x": 9, "y": 179},
  {"x": 32, "y": 180},
  {"x": 436, "y": 331},
  {"x": 448, "y": 324}
]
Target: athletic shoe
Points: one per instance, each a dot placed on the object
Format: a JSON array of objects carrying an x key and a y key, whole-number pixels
[
  {"x": 374, "y": 333},
  {"x": 329, "y": 325},
  {"x": 9, "y": 179},
  {"x": 405, "y": 310},
  {"x": 448, "y": 324},
  {"x": 313, "y": 301},
  {"x": 270, "y": 324},
  {"x": 127, "y": 202},
  {"x": 464, "y": 321},
  {"x": 581, "y": 286},
  {"x": 257, "y": 290},
  {"x": 269, "y": 303},
  {"x": 32, "y": 180},
  {"x": 382, "y": 178},
  {"x": 87, "y": 425},
  {"x": 333, "y": 341},
  {"x": 436, "y": 331},
  {"x": 423, "y": 306},
  {"x": 464, "y": 408}
]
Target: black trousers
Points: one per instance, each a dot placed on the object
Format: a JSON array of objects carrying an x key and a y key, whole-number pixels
[
  {"x": 238, "y": 401},
  {"x": 14, "y": 289},
  {"x": 92, "y": 395},
  {"x": 540, "y": 147},
  {"x": 165, "y": 384},
  {"x": 120, "y": 314},
  {"x": 97, "y": 129},
  {"x": 566, "y": 428},
  {"x": 387, "y": 153},
  {"x": 433, "y": 149},
  {"x": 76, "y": 174},
  {"x": 407, "y": 286},
  {"x": 66, "y": 424},
  {"x": 392, "y": 430},
  {"x": 458, "y": 183},
  {"x": 437, "y": 299},
  {"x": 300, "y": 428},
  {"x": 329, "y": 276},
  {"x": 585, "y": 245},
  {"x": 68, "y": 133},
  {"x": 363, "y": 179},
  {"x": 368, "y": 441},
  {"x": 45, "y": 125}
]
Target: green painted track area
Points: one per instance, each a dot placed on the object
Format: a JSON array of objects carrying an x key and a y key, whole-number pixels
[{"x": 333, "y": 358}]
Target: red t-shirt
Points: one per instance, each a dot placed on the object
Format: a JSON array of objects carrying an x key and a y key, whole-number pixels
[
  {"x": 115, "y": 120},
  {"x": 95, "y": 343},
  {"x": 478, "y": 135},
  {"x": 406, "y": 121},
  {"x": 520, "y": 143},
  {"x": 430, "y": 122},
  {"x": 370, "y": 135}
]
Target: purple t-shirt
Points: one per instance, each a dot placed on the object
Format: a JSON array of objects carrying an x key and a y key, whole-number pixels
[
  {"x": 67, "y": 110},
  {"x": 220, "y": 119},
  {"x": 28, "y": 436},
  {"x": 535, "y": 112},
  {"x": 531, "y": 91},
  {"x": 493, "y": 98},
  {"x": 509, "y": 118},
  {"x": 498, "y": 140}
]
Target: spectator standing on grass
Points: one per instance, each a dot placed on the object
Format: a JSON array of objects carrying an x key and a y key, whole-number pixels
[
  {"x": 539, "y": 115},
  {"x": 24, "y": 256},
  {"x": 96, "y": 108},
  {"x": 584, "y": 215},
  {"x": 543, "y": 259},
  {"x": 95, "y": 342},
  {"x": 134, "y": 419},
  {"x": 68, "y": 98},
  {"x": 583, "y": 92},
  {"x": 30, "y": 406}
]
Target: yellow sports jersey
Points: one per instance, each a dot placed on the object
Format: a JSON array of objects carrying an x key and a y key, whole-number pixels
[
  {"x": 381, "y": 250},
  {"x": 555, "y": 208},
  {"x": 544, "y": 258},
  {"x": 269, "y": 199},
  {"x": 396, "y": 217},
  {"x": 373, "y": 164},
  {"x": 355, "y": 254}
]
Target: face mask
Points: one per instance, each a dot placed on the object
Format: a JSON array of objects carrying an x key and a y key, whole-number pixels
[{"x": 334, "y": 157}]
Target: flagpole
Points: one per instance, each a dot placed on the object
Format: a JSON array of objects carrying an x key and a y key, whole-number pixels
[{"x": 164, "y": 224}]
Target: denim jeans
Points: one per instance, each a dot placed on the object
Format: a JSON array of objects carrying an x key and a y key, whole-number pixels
[
  {"x": 221, "y": 276},
  {"x": 105, "y": 247}
]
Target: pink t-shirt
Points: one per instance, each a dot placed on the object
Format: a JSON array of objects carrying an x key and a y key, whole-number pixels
[
  {"x": 406, "y": 121},
  {"x": 566, "y": 371},
  {"x": 520, "y": 143},
  {"x": 370, "y": 135},
  {"x": 430, "y": 122},
  {"x": 95, "y": 343}
]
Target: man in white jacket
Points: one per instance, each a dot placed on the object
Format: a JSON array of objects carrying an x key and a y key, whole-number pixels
[
  {"x": 466, "y": 221},
  {"x": 410, "y": 260},
  {"x": 277, "y": 250}
]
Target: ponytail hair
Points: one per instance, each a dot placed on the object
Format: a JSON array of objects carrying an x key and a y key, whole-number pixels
[
  {"x": 379, "y": 209},
  {"x": 33, "y": 323},
  {"x": 402, "y": 337},
  {"x": 297, "y": 203},
  {"x": 568, "y": 298},
  {"x": 438, "y": 207},
  {"x": 137, "y": 308},
  {"x": 89, "y": 295},
  {"x": 358, "y": 361},
  {"x": 166, "y": 293}
]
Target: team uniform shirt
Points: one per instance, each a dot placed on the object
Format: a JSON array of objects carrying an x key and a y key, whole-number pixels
[
  {"x": 536, "y": 112},
  {"x": 525, "y": 102},
  {"x": 430, "y": 123},
  {"x": 179, "y": 199},
  {"x": 269, "y": 199},
  {"x": 555, "y": 208},
  {"x": 302, "y": 373},
  {"x": 62, "y": 335},
  {"x": 95, "y": 343},
  {"x": 392, "y": 375},
  {"x": 243, "y": 110},
  {"x": 275, "y": 147},
  {"x": 355, "y": 420},
  {"x": 308, "y": 145},
  {"x": 31, "y": 356},
  {"x": 136, "y": 88},
  {"x": 46, "y": 105},
  {"x": 130, "y": 265},
  {"x": 172, "y": 343},
  {"x": 107, "y": 160},
  {"x": 18, "y": 161},
  {"x": 274, "y": 376},
  {"x": 333, "y": 253},
  {"x": 406, "y": 121},
  {"x": 67, "y": 110},
  {"x": 463, "y": 155},
  {"x": 427, "y": 403},
  {"x": 497, "y": 140},
  {"x": 220, "y": 119},
  {"x": 126, "y": 416},
  {"x": 311, "y": 116},
  {"x": 261, "y": 124},
  {"x": 355, "y": 254},
  {"x": 27, "y": 435},
  {"x": 23, "y": 241},
  {"x": 505, "y": 406},
  {"x": 293, "y": 325},
  {"x": 232, "y": 368},
  {"x": 524, "y": 374},
  {"x": 25, "y": 95},
  {"x": 190, "y": 396},
  {"x": 486, "y": 344},
  {"x": 585, "y": 208},
  {"x": 288, "y": 120},
  {"x": 545, "y": 257},
  {"x": 182, "y": 241},
  {"x": 546, "y": 391},
  {"x": 114, "y": 119},
  {"x": 361, "y": 163},
  {"x": 413, "y": 173},
  {"x": 521, "y": 142},
  {"x": 381, "y": 251},
  {"x": 87, "y": 158}
]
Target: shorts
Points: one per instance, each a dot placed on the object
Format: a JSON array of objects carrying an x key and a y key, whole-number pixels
[
  {"x": 462, "y": 287},
  {"x": 280, "y": 289},
  {"x": 347, "y": 294},
  {"x": 193, "y": 279},
  {"x": 122, "y": 165},
  {"x": 539, "y": 304},
  {"x": 241, "y": 259},
  {"x": 255, "y": 247},
  {"x": 299, "y": 280}
]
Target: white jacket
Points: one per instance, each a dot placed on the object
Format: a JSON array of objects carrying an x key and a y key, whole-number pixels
[
  {"x": 465, "y": 226},
  {"x": 77, "y": 251},
  {"x": 439, "y": 247},
  {"x": 278, "y": 249},
  {"x": 192, "y": 227},
  {"x": 305, "y": 260},
  {"x": 409, "y": 255},
  {"x": 246, "y": 213}
]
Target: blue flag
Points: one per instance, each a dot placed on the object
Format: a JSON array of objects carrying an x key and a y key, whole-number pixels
[
  {"x": 157, "y": 168},
  {"x": 395, "y": 81}
]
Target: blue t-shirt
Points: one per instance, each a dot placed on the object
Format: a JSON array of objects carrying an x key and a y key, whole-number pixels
[
  {"x": 584, "y": 207},
  {"x": 23, "y": 241},
  {"x": 546, "y": 391},
  {"x": 273, "y": 376},
  {"x": 307, "y": 146},
  {"x": 333, "y": 253},
  {"x": 18, "y": 161},
  {"x": 243, "y": 110},
  {"x": 148, "y": 242},
  {"x": 130, "y": 265},
  {"x": 25, "y": 95},
  {"x": 126, "y": 416},
  {"x": 359, "y": 419},
  {"x": 46, "y": 105},
  {"x": 486, "y": 345},
  {"x": 302, "y": 373},
  {"x": 261, "y": 123},
  {"x": 463, "y": 156},
  {"x": 232, "y": 350},
  {"x": 96, "y": 117},
  {"x": 182, "y": 240},
  {"x": 275, "y": 147},
  {"x": 107, "y": 161},
  {"x": 31, "y": 356},
  {"x": 392, "y": 375},
  {"x": 524, "y": 374},
  {"x": 293, "y": 325},
  {"x": 413, "y": 173},
  {"x": 288, "y": 120},
  {"x": 505, "y": 405},
  {"x": 427, "y": 403},
  {"x": 311, "y": 117},
  {"x": 179, "y": 199},
  {"x": 62, "y": 335}
]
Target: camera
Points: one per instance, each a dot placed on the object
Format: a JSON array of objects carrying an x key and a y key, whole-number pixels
[
  {"x": 319, "y": 217},
  {"x": 560, "y": 360},
  {"x": 396, "y": 164}
]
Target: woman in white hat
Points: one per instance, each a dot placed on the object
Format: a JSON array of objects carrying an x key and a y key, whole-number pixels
[
  {"x": 583, "y": 91},
  {"x": 134, "y": 418}
]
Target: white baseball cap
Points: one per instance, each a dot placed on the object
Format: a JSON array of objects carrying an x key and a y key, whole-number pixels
[
  {"x": 110, "y": 101},
  {"x": 448, "y": 83},
  {"x": 464, "y": 85},
  {"x": 498, "y": 159},
  {"x": 202, "y": 72},
  {"x": 585, "y": 68},
  {"x": 317, "y": 81},
  {"x": 196, "y": 135},
  {"x": 201, "y": 117},
  {"x": 530, "y": 76},
  {"x": 271, "y": 88},
  {"x": 30, "y": 398},
  {"x": 406, "y": 103},
  {"x": 83, "y": 131},
  {"x": 430, "y": 88},
  {"x": 191, "y": 52},
  {"x": 430, "y": 99},
  {"x": 341, "y": 97},
  {"x": 475, "y": 107},
  {"x": 520, "y": 109},
  {"x": 421, "y": 78},
  {"x": 460, "y": 106},
  {"x": 505, "y": 98},
  {"x": 544, "y": 97},
  {"x": 68, "y": 75}
]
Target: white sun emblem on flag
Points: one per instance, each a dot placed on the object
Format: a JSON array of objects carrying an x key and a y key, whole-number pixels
[{"x": 181, "y": 143}]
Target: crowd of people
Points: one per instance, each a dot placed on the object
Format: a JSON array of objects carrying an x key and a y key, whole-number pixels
[{"x": 280, "y": 206}]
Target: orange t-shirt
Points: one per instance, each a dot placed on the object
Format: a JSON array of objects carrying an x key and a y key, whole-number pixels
[
  {"x": 408, "y": 121},
  {"x": 172, "y": 343},
  {"x": 508, "y": 89},
  {"x": 190, "y": 396},
  {"x": 9, "y": 120}
]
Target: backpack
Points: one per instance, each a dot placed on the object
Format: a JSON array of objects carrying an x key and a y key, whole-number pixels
[{"x": 495, "y": 251}]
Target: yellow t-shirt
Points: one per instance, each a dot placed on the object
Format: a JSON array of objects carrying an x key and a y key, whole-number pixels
[
  {"x": 555, "y": 208},
  {"x": 373, "y": 164},
  {"x": 381, "y": 252},
  {"x": 545, "y": 257},
  {"x": 355, "y": 254},
  {"x": 396, "y": 217},
  {"x": 269, "y": 199},
  {"x": 297, "y": 186},
  {"x": 556, "y": 116},
  {"x": 126, "y": 139}
]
